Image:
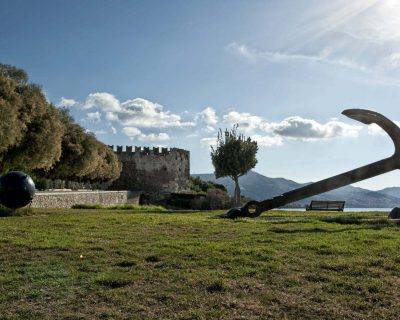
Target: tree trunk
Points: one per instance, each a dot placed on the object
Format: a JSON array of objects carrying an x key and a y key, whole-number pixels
[{"x": 237, "y": 191}]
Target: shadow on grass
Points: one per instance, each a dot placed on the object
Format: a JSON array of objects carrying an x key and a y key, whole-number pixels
[
  {"x": 378, "y": 222},
  {"x": 366, "y": 226},
  {"x": 5, "y": 212},
  {"x": 114, "y": 281}
]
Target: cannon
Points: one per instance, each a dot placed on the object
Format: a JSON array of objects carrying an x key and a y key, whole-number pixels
[
  {"x": 17, "y": 189},
  {"x": 255, "y": 208}
]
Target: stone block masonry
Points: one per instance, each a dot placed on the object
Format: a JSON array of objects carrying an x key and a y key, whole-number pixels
[
  {"x": 66, "y": 199},
  {"x": 153, "y": 170}
]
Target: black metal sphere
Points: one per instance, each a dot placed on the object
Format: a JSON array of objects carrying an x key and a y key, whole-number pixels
[{"x": 16, "y": 189}]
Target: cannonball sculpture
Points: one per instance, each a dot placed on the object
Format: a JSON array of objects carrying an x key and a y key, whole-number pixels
[
  {"x": 395, "y": 213},
  {"x": 17, "y": 189}
]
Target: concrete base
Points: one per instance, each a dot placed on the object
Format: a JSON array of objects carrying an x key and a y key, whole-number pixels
[{"x": 66, "y": 199}]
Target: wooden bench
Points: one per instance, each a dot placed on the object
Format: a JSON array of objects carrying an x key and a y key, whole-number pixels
[{"x": 326, "y": 205}]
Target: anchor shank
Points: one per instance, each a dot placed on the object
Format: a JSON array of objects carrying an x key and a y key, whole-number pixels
[{"x": 332, "y": 183}]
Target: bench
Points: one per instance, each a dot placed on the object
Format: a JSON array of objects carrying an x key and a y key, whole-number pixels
[{"x": 326, "y": 205}]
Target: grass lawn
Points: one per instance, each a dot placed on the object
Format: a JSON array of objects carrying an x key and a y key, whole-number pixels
[{"x": 121, "y": 264}]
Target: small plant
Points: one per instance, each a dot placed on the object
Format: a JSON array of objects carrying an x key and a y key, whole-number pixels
[
  {"x": 114, "y": 281},
  {"x": 126, "y": 264},
  {"x": 198, "y": 185},
  {"x": 152, "y": 258},
  {"x": 135, "y": 207},
  {"x": 216, "y": 286},
  {"x": 5, "y": 212},
  {"x": 87, "y": 206}
]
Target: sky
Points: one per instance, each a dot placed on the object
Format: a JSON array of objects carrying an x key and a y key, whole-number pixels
[{"x": 172, "y": 73}]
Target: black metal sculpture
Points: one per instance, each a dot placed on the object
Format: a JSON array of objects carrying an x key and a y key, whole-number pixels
[
  {"x": 255, "y": 208},
  {"x": 16, "y": 189}
]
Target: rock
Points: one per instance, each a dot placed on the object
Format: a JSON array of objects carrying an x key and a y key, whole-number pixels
[{"x": 395, "y": 213}]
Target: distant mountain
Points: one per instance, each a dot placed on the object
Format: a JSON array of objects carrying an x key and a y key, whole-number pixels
[
  {"x": 260, "y": 187},
  {"x": 393, "y": 191}
]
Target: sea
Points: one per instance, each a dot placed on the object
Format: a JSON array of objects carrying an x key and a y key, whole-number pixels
[{"x": 346, "y": 209}]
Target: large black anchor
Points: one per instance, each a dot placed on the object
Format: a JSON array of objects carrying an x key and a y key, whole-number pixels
[{"x": 255, "y": 208}]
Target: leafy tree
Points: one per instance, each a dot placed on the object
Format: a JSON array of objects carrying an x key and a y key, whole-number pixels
[
  {"x": 40, "y": 130},
  {"x": 38, "y": 137},
  {"x": 233, "y": 156},
  {"x": 83, "y": 157},
  {"x": 14, "y": 73},
  {"x": 11, "y": 126}
]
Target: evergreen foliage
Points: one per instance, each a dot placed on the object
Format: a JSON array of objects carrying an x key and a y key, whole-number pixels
[
  {"x": 198, "y": 185},
  {"x": 233, "y": 156},
  {"x": 43, "y": 140}
]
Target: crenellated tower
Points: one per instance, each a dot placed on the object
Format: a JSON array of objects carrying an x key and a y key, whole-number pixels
[{"x": 155, "y": 170}]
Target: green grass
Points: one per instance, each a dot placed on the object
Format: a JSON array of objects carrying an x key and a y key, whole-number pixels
[{"x": 121, "y": 264}]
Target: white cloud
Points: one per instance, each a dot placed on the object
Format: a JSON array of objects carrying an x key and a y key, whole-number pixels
[
  {"x": 207, "y": 142},
  {"x": 374, "y": 129},
  {"x": 375, "y": 21},
  {"x": 308, "y": 129},
  {"x": 113, "y": 130},
  {"x": 263, "y": 141},
  {"x": 93, "y": 116},
  {"x": 103, "y": 100},
  {"x": 246, "y": 121},
  {"x": 142, "y": 113},
  {"x": 156, "y": 137},
  {"x": 325, "y": 55},
  {"x": 267, "y": 141},
  {"x": 192, "y": 135},
  {"x": 137, "y": 134},
  {"x": 66, "y": 103},
  {"x": 393, "y": 61},
  {"x": 208, "y": 116},
  {"x": 111, "y": 116},
  {"x": 138, "y": 112},
  {"x": 99, "y": 132}
]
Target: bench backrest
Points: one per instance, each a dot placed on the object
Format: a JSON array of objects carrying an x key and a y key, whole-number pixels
[{"x": 326, "y": 205}]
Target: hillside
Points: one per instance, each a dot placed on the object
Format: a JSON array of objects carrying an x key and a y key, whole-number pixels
[
  {"x": 259, "y": 187},
  {"x": 393, "y": 191}
]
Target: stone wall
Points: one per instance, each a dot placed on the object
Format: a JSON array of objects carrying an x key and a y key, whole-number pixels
[
  {"x": 153, "y": 170},
  {"x": 66, "y": 199}
]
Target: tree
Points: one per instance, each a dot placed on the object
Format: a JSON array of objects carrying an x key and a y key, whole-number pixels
[
  {"x": 11, "y": 72},
  {"x": 39, "y": 131},
  {"x": 11, "y": 126},
  {"x": 38, "y": 137},
  {"x": 83, "y": 157},
  {"x": 233, "y": 156}
]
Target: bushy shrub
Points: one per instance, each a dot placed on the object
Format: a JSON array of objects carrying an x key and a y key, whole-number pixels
[
  {"x": 198, "y": 185},
  {"x": 41, "y": 184},
  {"x": 215, "y": 199},
  {"x": 218, "y": 199},
  {"x": 199, "y": 204}
]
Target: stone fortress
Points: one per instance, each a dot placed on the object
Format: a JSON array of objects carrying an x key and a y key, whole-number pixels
[{"x": 153, "y": 170}]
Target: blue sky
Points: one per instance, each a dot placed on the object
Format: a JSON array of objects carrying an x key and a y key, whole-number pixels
[{"x": 171, "y": 73}]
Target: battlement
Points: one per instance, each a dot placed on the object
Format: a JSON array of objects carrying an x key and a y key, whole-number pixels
[
  {"x": 153, "y": 170},
  {"x": 147, "y": 150}
]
